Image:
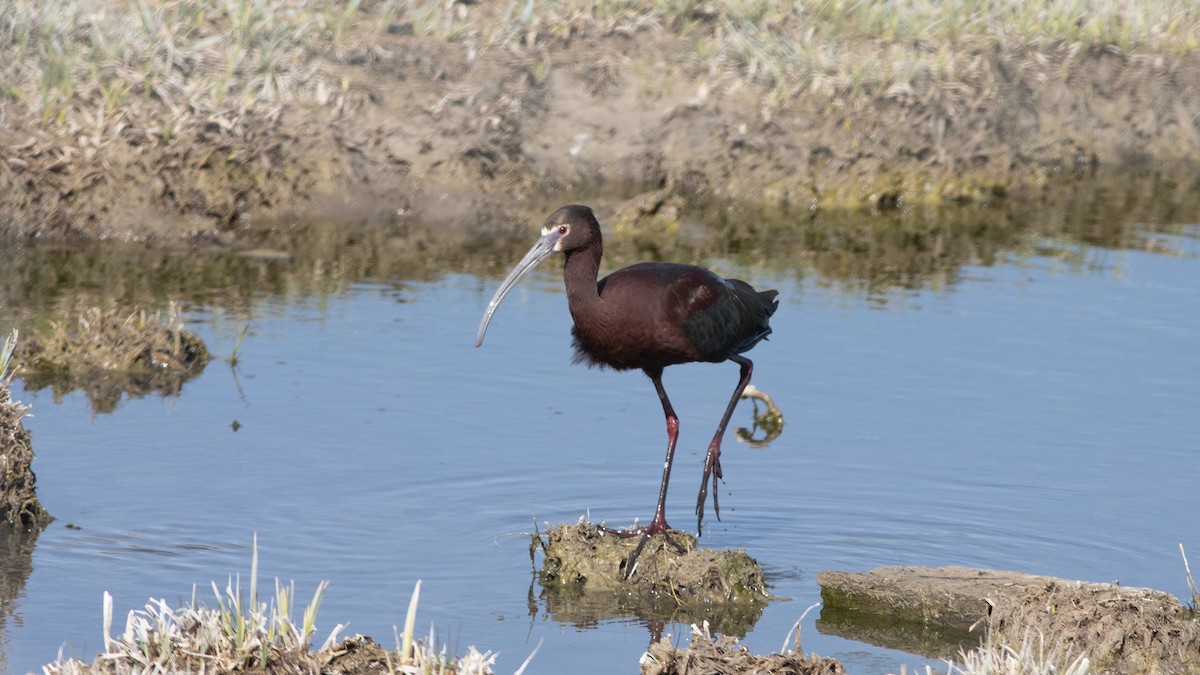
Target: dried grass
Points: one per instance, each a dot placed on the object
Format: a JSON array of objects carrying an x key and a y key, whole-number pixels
[
  {"x": 243, "y": 633},
  {"x": 19, "y": 505},
  {"x": 723, "y": 654},
  {"x": 1031, "y": 657},
  {"x": 156, "y": 67}
]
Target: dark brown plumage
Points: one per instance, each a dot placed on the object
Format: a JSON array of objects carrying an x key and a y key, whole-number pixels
[{"x": 649, "y": 316}]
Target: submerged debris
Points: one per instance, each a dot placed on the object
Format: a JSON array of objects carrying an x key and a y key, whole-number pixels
[
  {"x": 107, "y": 353},
  {"x": 723, "y": 655},
  {"x": 583, "y": 579}
]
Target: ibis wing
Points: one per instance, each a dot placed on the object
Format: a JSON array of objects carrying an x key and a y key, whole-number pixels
[
  {"x": 657, "y": 314},
  {"x": 720, "y": 317}
]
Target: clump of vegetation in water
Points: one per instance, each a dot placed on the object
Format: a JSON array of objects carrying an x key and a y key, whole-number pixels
[
  {"x": 244, "y": 633},
  {"x": 584, "y": 579},
  {"x": 19, "y": 505},
  {"x": 107, "y": 353},
  {"x": 1031, "y": 657},
  {"x": 723, "y": 654}
]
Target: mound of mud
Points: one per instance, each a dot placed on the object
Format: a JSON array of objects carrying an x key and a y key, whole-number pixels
[
  {"x": 1135, "y": 630},
  {"x": 1126, "y": 629},
  {"x": 583, "y": 577}
]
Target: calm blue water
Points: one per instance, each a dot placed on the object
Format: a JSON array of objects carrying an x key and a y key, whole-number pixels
[{"x": 1039, "y": 415}]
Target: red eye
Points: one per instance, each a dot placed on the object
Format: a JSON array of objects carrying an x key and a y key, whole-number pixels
[{"x": 562, "y": 229}]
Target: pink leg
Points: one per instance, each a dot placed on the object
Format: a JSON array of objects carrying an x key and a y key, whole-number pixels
[
  {"x": 659, "y": 524},
  {"x": 712, "y": 461}
]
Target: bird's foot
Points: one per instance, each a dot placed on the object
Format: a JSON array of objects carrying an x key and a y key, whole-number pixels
[
  {"x": 712, "y": 471},
  {"x": 656, "y": 526}
]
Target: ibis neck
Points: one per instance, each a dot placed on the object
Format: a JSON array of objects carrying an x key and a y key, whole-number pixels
[{"x": 580, "y": 273}]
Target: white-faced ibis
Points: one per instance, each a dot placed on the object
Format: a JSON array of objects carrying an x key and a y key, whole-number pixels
[{"x": 650, "y": 316}]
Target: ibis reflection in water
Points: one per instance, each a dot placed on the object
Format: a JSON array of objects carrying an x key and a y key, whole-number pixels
[{"x": 649, "y": 316}]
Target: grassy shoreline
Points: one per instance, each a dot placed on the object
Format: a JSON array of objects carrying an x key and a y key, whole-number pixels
[
  {"x": 193, "y": 116},
  {"x": 74, "y": 65}
]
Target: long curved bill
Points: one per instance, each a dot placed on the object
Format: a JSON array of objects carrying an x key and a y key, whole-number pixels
[{"x": 540, "y": 251}]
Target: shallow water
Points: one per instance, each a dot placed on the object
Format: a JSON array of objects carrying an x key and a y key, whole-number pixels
[{"x": 1036, "y": 414}]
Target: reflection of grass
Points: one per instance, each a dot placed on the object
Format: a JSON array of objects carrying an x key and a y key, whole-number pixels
[
  {"x": 871, "y": 250},
  {"x": 232, "y": 359}
]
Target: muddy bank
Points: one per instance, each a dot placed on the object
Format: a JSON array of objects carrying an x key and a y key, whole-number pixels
[
  {"x": 874, "y": 250},
  {"x": 451, "y": 126},
  {"x": 1119, "y": 629}
]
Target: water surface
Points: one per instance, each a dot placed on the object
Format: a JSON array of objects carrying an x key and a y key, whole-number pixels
[{"x": 1029, "y": 409}]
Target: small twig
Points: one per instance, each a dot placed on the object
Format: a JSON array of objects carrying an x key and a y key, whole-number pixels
[
  {"x": 1191, "y": 581},
  {"x": 796, "y": 631},
  {"x": 233, "y": 358}
]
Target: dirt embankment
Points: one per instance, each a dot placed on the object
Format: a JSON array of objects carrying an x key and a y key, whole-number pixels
[{"x": 449, "y": 127}]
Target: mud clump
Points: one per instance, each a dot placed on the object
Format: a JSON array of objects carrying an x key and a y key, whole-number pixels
[
  {"x": 723, "y": 655},
  {"x": 583, "y": 570},
  {"x": 1125, "y": 629},
  {"x": 108, "y": 353},
  {"x": 1135, "y": 630}
]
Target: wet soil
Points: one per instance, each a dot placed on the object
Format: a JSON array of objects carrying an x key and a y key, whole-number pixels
[
  {"x": 1120, "y": 629},
  {"x": 438, "y": 128},
  {"x": 583, "y": 579}
]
